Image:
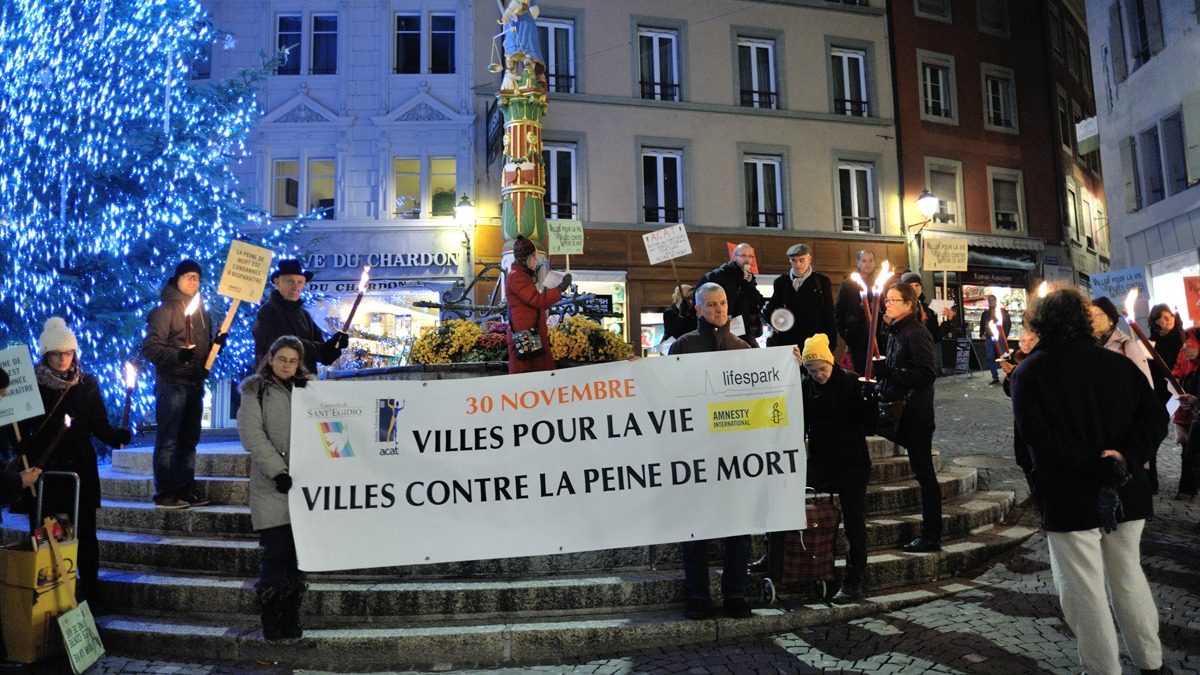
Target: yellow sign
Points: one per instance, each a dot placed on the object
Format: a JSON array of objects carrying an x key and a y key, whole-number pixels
[
  {"x": 246, "y": 271},
  {"x": 566, "y": 237},
  {"x": 759, "y": 413},
  {"x": 948, "y": 254}
]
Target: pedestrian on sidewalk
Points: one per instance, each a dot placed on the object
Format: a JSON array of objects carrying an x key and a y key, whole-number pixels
[
  {"x": 985, "y": 333},
  {"x": 66, "y": 390},
  {"x": 179, "y": 376},
  {"x": 264, "y": 426},
  {"x": 1090, "y": 420},
  {"x": 909, "y": 372},
  {"x": 839, "y": 412},
  {"x": 283, "y": 314}
]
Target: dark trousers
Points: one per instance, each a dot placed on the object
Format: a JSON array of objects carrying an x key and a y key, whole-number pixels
[
  {"x": 850, "y": 484},
  {"x": 920, "y": 458},
  {"x": 278, "y": 564},
  {"x": 733, "y": 579},
  {"x": 179, "y": 409}
]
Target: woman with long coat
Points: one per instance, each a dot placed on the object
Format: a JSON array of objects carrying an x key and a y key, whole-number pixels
[
  {"x": 67, "y": 390},
  {"x": 909, "y": 370},
  {"x": 264, "y": 425},
  {"x": 527, "y": 307}
]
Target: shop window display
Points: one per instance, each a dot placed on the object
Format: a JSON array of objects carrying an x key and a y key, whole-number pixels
[{"x": 975, "y": 304}]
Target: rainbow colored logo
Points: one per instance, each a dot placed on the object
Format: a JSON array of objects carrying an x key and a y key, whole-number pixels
[{"x": 335, "y": 439}]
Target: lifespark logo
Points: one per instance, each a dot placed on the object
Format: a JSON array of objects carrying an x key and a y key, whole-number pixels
[
  {"x": 751, "y": 378},
  {"x": 335, "y": 439}
]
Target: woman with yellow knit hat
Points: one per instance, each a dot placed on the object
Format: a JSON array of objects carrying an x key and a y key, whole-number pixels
[{"x": 839, "y": 412}]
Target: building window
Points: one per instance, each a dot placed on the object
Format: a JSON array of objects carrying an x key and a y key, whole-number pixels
[
  {"x": 933, "y": 9},
  {"x": 1072, "y": 66},
  {"x": 1072, "y": 204},
  {"x": 410, "y": 36},
  {"x": 937, "y": 88},
  {"x": 993, "y": 17},
  {"x": 943, "y": 181},
  {"x": 1174, "y": 152},
  {"x": 418, "y": 181},
  {"x": 321, "y": 52},
  {"x": 850, "y": 82},
  {"x": 658, "y": 51},
  {"x": 1144, "y": 31},
  {"x": 1128, "y": 151},
  {"x": 1085, "y": 222},
  {"x": 662, "y": 185},
  {"x": 1065, "y": 133},
  {"x": 764, "y": 191},
  {"x": 557, "y": 38},
  {"x": 1007, "y": 212},
  {"x": 1055, "y": 30},
  {"x": 562, "y": 202},
  {"x": 317, "y": 185},
  {"x": 999, "y": 99},
  {"x": 1150, "y": 166},
  {"x": 756, "y": 73},
  {"x": 856, "y": 196},
  {"x": 1116, "y": 41}
]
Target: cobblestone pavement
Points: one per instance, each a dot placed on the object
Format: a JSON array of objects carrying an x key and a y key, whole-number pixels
[{"x": 1008, "y": 622}]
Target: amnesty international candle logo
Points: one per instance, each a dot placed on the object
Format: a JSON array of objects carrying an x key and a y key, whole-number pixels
[
  {"x": 335, "y": 439},
  {"x": 388, "y": 409},
  {"x": 759, "y": 413}
]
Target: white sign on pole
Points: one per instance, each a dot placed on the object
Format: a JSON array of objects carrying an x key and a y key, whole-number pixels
[
  {"x": 246, "y": 271},
  {"x": 23, "y": 400},
  {"x": 947, "y": 254},
  {"x": 566, "y": 237},
  {"x": 667, "y": 244},
  {"x": 670, "y": 449}
]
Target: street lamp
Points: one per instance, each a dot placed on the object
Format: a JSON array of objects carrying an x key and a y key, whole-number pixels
[
  {"x": 927, "y": 204},
  {"x": 464, "y": 213}
]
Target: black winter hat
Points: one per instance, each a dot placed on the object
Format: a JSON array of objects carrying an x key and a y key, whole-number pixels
[
  {"x": 188, "y": 266},
  {"x": 291, "y": 266}
]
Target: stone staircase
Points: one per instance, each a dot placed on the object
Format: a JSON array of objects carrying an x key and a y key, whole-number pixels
[{"x": 181, "y": 582}]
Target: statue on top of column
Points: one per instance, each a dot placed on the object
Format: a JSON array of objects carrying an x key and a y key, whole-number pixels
[{"x": 524, "y": 65}]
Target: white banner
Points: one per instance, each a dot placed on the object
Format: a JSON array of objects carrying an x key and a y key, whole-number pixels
[{"x": 622, "y": 454}]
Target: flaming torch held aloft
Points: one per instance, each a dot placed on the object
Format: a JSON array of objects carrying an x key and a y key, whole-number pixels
[
  {"x": 1130, "y": 301},
  {"x": 862, "y": 296},
  {"x": 998, "y": 339},
  {"x": 130, "y": 383},
  {"x": 881, "y": 281},
  {"x": 187, "y": 324},
  {"x": 1043, "y": 289},
  {"x": 362, "y": 288}
]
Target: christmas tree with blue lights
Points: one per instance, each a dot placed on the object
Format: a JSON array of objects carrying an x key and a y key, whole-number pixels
[{"x": 115, "y": 165}]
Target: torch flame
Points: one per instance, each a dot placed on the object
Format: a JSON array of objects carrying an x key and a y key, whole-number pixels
[
  {"x": 857, "y": 278},
  {"x": 130, "y": 376},
  {"x": 995, "y": 330},
  {"x": 362, "y": 283},
  {"x": 1130, "y": 301},
  {"x": 885, "y": 273},
  {"x": 193, "y": 305},
  {"x": 66, "y": 421},
  {"x": 1043, "y": 289}
]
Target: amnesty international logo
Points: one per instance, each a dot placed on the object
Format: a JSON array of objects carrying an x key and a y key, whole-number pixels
[
  {"x": 389, "y": 409},
  {"x": 335, "y": 439},
  {"x": 758, "y": 413}
]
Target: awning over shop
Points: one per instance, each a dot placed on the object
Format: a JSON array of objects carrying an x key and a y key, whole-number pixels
[{"x": 992, "y": 240}]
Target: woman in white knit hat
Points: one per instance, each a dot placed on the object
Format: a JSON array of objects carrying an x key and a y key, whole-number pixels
[{"x": 66, "y": 390}]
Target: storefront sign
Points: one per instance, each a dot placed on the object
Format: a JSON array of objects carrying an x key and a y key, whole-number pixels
[
  {"x": 1116, "y": 284},
  {"x": 597, "y": 304},
  {"x": 246, "y": 271},
  {"x": 623, "y": 454},
  {"x": 994, "y": 279},
  {"x": 381, "y": 260},
  {"x": 1058, "y": 274},
  {"x": 566, "y": 237},
  {"x": 667, "y": 244},
  {"x": 945, "y": 253},
  {"x": 23, "y": 399},
  {"x": 1087, "y": 135}
]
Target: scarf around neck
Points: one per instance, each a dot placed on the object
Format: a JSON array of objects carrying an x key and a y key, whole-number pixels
[{"x": 52, "y": 379}]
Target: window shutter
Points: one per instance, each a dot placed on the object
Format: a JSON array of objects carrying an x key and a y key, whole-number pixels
[
  {"x": 1116, "y": 42},
  {"x": 1154, "y": 29},
  {"x": 1191, "y": 135},
  {"x": 1129, "y": 174}
]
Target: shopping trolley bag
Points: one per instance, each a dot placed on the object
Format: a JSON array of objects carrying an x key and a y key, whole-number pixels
[
  {"x": 37, "y": 583},
  {"x": 802, "y": 561}
]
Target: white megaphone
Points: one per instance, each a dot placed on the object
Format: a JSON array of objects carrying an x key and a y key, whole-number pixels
[{"x": 783, "y": 319}]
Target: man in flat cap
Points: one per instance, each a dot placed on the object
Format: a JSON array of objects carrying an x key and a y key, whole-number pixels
[
  {"x": 807, "y": 294},
  {"x": 284, "y": 314}
]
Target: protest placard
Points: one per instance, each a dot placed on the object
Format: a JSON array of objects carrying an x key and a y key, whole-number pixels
[
  {"x": 23, "y": 399},
  {"x": 667, "y": 244},
  {"x": 566, "y": 237}
]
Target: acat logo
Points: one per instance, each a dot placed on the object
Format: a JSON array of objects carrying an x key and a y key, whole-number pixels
[
  {"x": 752, "y": 378},
  {"x": 388, "y": 409}
]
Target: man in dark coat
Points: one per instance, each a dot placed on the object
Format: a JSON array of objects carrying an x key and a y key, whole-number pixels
[
  {"x": 712, "y": 335},
  {"x": 985, "y": 334},
  {"x": 179, "y": 376},
  {"x": 1090, "y": 421},
  {"x": 745, "y": 302},
  {"x": 283, "y": 314},
  {"x": 839, "y": 412},
  {"x": 848, "y": 312},
  {"x": 808, "y": 295}
]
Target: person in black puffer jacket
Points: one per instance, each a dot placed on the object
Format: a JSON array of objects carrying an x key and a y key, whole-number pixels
[
  {"x": 284, "y": 314},
  {"x": 741, "y": 291},
  {"x": 910, "y": 370}
]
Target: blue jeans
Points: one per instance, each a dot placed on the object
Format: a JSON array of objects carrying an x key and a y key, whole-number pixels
[
  {"x": 178, "y": 411},
  {"x": 989, "y": 355},
  {"x": 733, "y": 579},
  {"x": 278, "y": 564}
]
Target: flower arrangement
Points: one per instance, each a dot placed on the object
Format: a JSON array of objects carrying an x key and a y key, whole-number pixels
[
  {"x": 488, "y": 347},
  {"x": 448, "y": 343},
  {"x": 578, "y": 338}
]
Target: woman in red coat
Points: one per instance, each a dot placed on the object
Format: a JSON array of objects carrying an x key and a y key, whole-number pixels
[{"x": 527, "y": 306}]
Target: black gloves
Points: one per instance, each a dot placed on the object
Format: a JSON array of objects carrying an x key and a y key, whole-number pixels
[
  {"x": 300, "y": 382},
  {"x": 566, "y": 282},
  {"x": 283, "y": 483},
  {"x": 869, "y": 393},
  {"x": 219, "y": 341},
  {"x": 124, "y": 436},
  {"x": 186, "y": 355},
  {"x": 1109, "y": 508},
  {"x": 339, "y": 341}
]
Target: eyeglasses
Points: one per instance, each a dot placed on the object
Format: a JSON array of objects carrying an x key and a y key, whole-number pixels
[
  {"x": 889, "y": 301},
  {"x": 60, "y": 355},
  {"x": 284, "y": 361}
]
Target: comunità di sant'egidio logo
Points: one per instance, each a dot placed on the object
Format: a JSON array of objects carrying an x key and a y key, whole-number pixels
[{"x": 335, "y": 439}]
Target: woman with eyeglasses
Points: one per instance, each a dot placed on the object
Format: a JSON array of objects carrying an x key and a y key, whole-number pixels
[
  {"x": 67, "y": 390},
  {"x": 910, "y": 369},
  {"x": 265, "y": 425}
]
